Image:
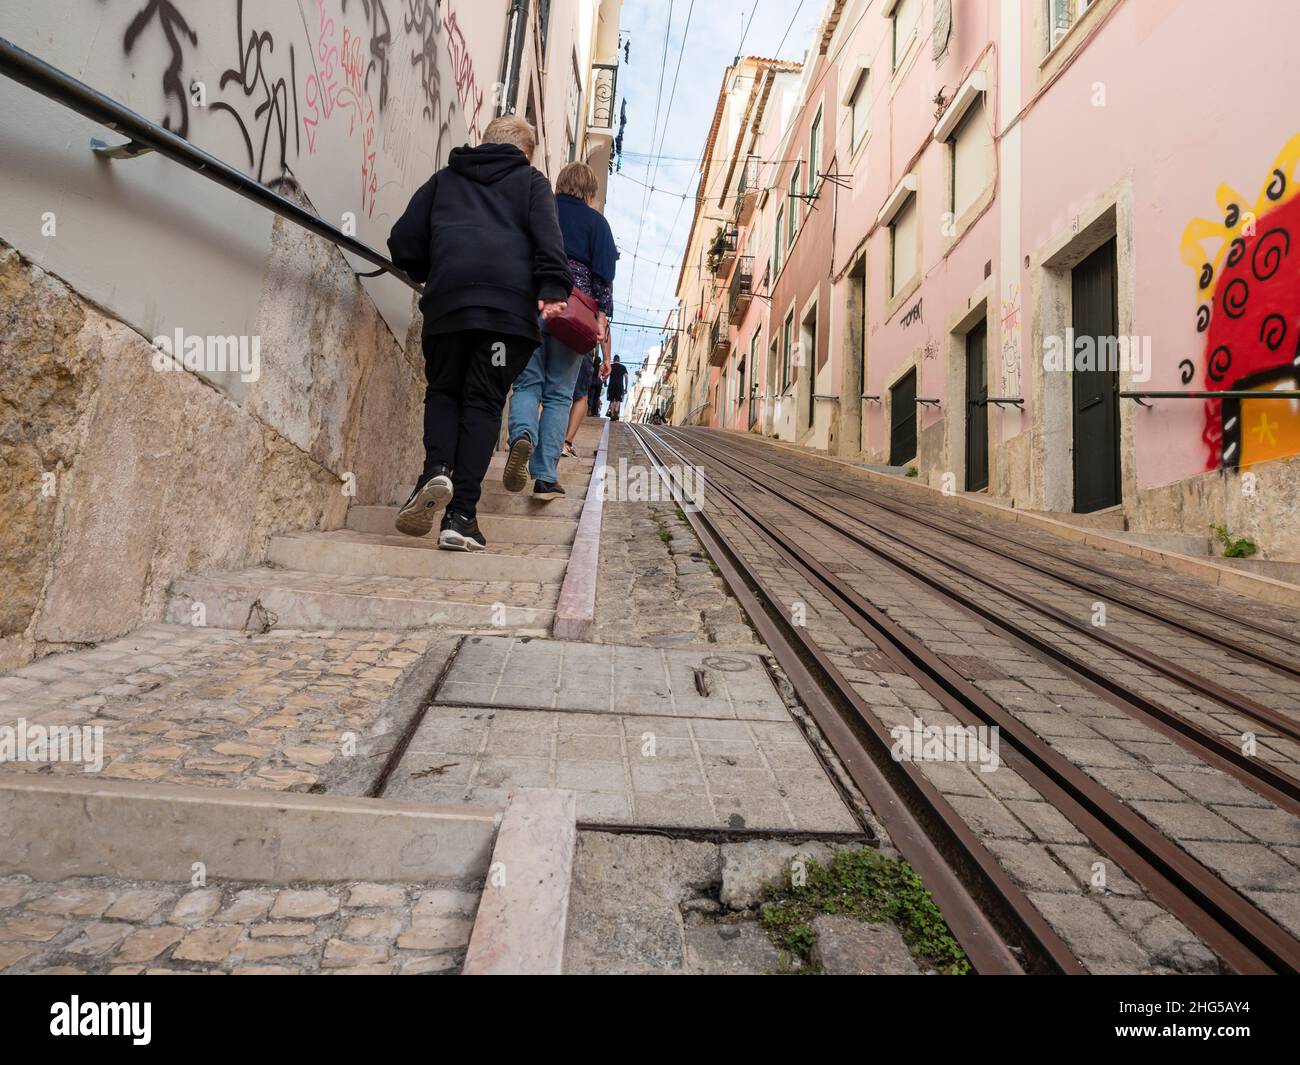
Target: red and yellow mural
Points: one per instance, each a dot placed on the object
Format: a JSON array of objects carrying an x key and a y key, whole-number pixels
[{"x": 1248, "y": 288}]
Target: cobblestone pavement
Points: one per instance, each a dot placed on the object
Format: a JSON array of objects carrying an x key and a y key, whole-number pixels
[
  {"x": 116, "y": 927},
  {"x": 1250, "y": 842},
  {"x": 216, "y": 707},
  {"x": 657, "y": 586}
]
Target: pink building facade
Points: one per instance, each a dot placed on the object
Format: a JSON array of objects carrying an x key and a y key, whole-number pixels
[{"x": 1009, "y": 217}]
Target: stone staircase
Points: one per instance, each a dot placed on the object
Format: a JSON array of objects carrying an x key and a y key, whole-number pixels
[{"x": 367, "y": 575}]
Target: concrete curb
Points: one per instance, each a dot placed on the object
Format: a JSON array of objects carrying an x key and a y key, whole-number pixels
[
  {"x": 523, "y": 915},
  {"x": 1256, "y": 586},
  {"x": 68, "y": 826},
  {"x": 575, "y": 613}
]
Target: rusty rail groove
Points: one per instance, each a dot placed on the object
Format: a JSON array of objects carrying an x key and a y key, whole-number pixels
[
  {"x": 957, "y": 869},
  {"x": 1277, "y": 786},
  {"x": 1243, "y": 936},
  {"x": 894, "y": 506}
]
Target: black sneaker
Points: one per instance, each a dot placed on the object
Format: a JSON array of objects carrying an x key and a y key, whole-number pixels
[
  {"x": 460, "y": 533},
  {"x": 547, "y": 490},
  {"x": 515, "y": 475},
  {"x": 430, "y": 495}
]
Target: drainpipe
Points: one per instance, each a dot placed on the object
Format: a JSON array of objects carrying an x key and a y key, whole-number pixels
[{"x": 513, "y": 56}]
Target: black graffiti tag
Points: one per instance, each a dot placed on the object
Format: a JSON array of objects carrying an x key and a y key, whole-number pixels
[{"x": 171, "y": 21}]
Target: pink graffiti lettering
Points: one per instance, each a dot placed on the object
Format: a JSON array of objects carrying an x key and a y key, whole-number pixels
[{"x": 471, "y": 96}]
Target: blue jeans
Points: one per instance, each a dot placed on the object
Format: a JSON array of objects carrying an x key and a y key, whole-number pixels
[{"x": 547, "y": 381}]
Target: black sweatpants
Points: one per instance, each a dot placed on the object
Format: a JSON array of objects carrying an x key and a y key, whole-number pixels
[{"x": 466, "y": 393}]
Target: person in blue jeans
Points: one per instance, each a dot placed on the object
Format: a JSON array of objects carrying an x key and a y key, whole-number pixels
[{"x": 543, "y": 394}]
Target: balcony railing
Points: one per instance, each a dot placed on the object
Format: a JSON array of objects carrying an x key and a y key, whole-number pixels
[
  {"x": 722, "y": 249},
  {"x": 719, "y": 342},
  {"x": 747, "y": 192},
  {"x": 741, "y": 289},
  {"x": 604, "y": 90}
]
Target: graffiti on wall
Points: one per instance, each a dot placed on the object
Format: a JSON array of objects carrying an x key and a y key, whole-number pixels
[
  {"x": 291, "y": 72},
  {"x": 268, "y": 85},
  {"x": 1009, "y": 317},
  {"x": 1247, "y": 267},
  {"x": 171, "y": 22}
]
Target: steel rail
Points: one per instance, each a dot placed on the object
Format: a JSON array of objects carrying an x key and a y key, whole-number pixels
[
  {"x": 894, "y": 506},
  {"x": 1275, "y": 785},
  {"x": 1247, "y": 939},
  {"x": 922, "y": 825}
]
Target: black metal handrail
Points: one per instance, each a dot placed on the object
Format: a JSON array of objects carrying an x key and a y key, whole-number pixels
[
  {"x": 1280, "y": 393},
  {"x": 54, "y": 84}
]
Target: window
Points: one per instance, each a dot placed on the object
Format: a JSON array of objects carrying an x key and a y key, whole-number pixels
[
  {"x": 1061, "y": 15},
  {"x": 858, "y": 110},
  {"x": 776, "y": 254},
  {"x": 972, "y": 159},
  {"x": 787, "y": 354},
  {"x": 572, "y": 112},
  {"x": 906, "y": 16},
  {"x": 902, "y": 246},
  {"x": 814, "y": 151},
  {"x": 795, "y": 191}
]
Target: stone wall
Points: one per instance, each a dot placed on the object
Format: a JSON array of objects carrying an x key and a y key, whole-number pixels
[{"x": 116, "y": 478}]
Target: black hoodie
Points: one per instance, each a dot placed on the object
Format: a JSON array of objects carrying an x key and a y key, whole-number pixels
[{"x": 482, "y": 233}]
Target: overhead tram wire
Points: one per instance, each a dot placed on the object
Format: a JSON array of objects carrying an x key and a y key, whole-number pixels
[
  {"x": 810, "y": 93},
  {"x": 656, "y": 156},
  {"x": 654, "y": 128},
  {"x": 740, "y": 48}
]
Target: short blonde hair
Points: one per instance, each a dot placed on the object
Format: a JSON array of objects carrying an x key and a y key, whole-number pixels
[
  {"x": 510, "y": 129},
  {"x": 577, "y": 179}
]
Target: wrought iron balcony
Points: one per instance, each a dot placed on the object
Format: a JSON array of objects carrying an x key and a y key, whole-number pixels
[
  {"x": 604, "y": 89},
  {"x": 747, "y": 192},
  {"x": 741, "y": 289},
  {"x": 719, "y": 341},
  {"x": 722, "y": 249}
]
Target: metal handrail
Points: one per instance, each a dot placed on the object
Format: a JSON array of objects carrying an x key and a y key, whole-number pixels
[
  {"x": 1281, "y": 393},
  {"x": 54, "y": 84}
]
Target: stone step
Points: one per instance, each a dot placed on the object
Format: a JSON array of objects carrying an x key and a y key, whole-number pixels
[
  {"x": 1110, "y": 520},
  {"x": 364, "y": 554},
  {"x": 1183, "y": 543},
  {"x": 302, "y": 600},
  {"x": 1288, "y": 572},
  {"x": 580, "y": 465},
  {"x": 574, "y": 481},
  {"x": 513, "y": 529}
]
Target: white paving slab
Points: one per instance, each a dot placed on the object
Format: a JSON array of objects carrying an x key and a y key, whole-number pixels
[{"x": 609, "y": 678}]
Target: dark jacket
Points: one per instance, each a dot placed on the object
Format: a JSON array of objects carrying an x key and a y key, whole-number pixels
[
  {"x": 587, "y": 236},
  {"x": 482, "y": 233}
]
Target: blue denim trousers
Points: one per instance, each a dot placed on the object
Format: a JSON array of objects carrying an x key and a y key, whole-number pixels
[{"x": 541, "y": 402}]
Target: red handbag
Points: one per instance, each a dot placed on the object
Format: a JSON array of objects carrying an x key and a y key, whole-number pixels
[{"x": 577, "y": 327}]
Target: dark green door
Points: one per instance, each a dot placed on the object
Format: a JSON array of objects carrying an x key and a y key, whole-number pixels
[
  {"x": 977, "y": 410},
  {"x": 1096, "y": 385},
  {"x": 902, "y": 420}
]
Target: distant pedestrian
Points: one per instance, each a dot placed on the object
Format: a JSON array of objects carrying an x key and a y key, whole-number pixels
[
  {"x": 542, "y": 402},
  {"x": 588, "y": 377},
  {"x": 483, "y": 236},
  {"x": 597, "y": 384},
  {"x": 616, "y": 389}
]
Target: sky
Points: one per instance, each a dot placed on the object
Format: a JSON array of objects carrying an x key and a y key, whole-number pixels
[{"x": 653, "y": 226}]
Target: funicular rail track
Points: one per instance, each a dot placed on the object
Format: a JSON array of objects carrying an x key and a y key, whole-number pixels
[{"x": 740, "y": 477}]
